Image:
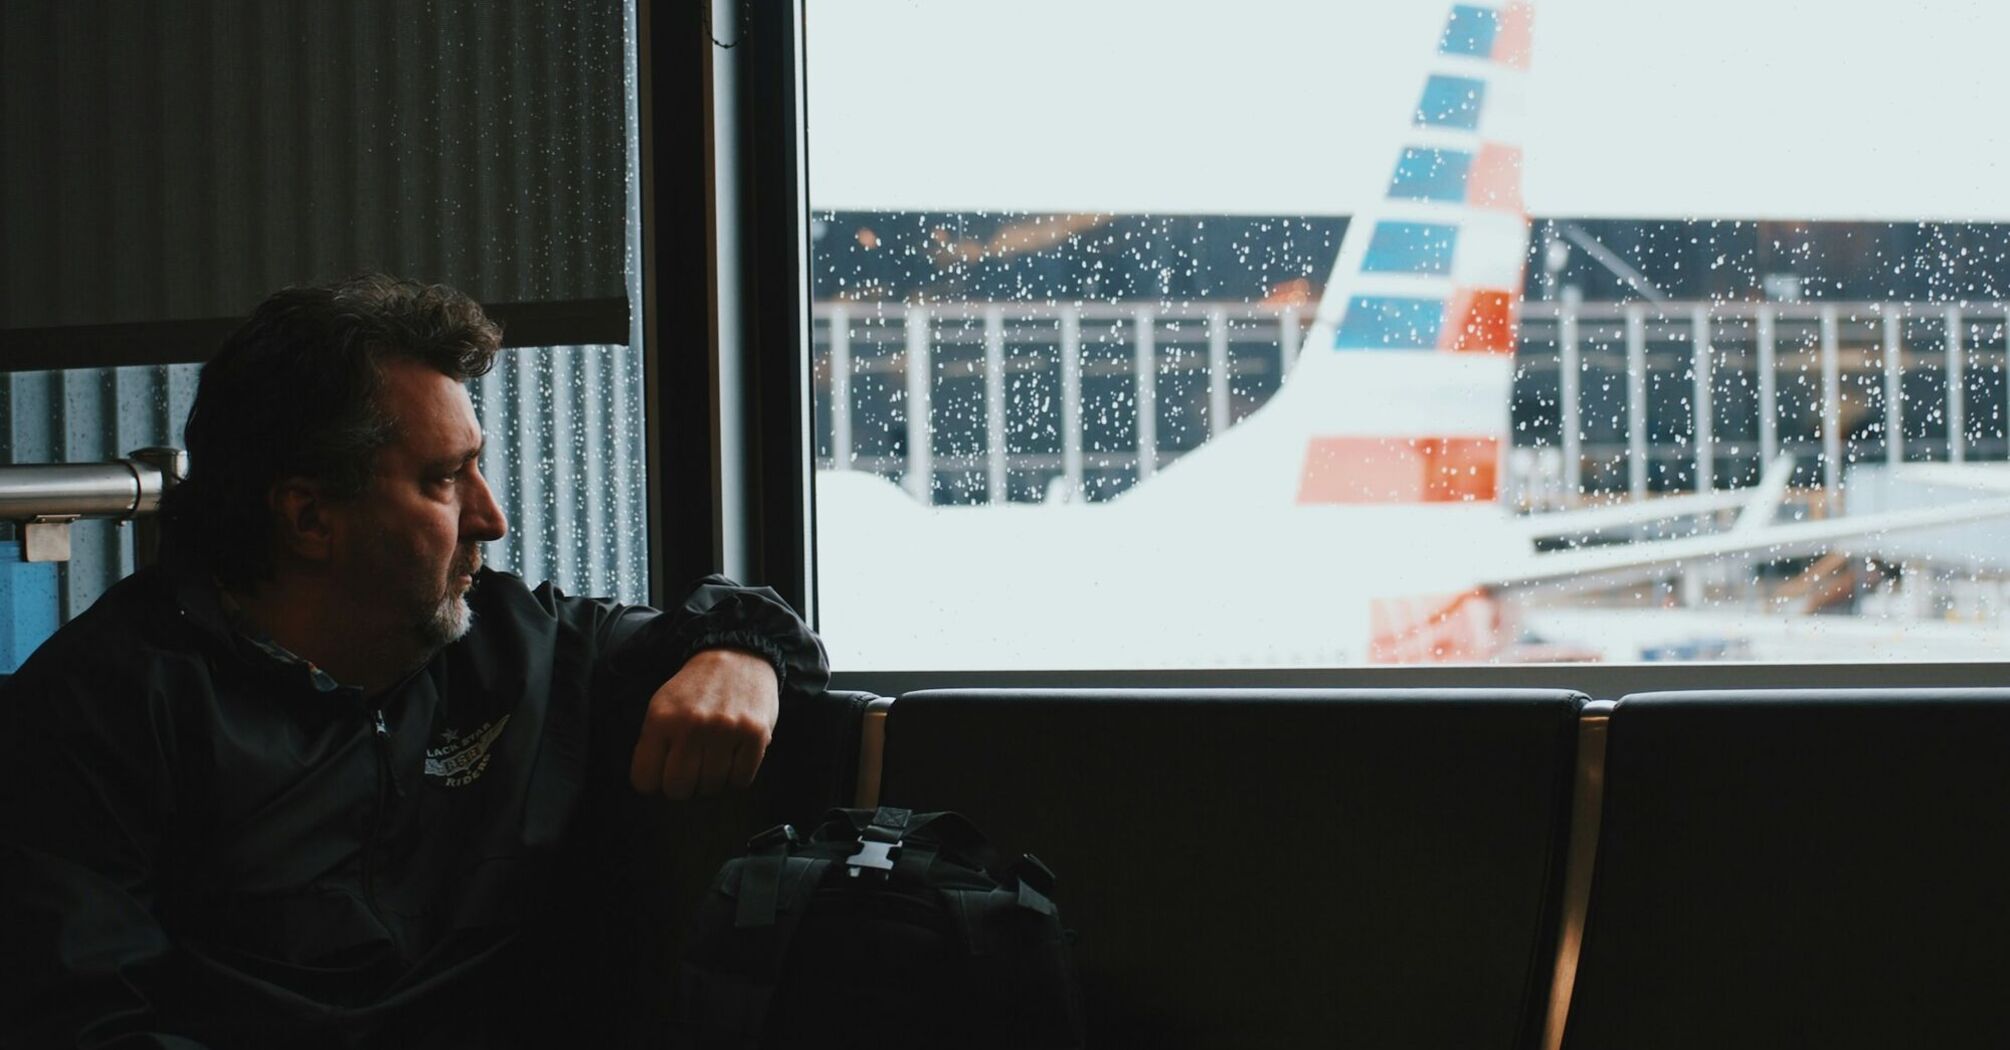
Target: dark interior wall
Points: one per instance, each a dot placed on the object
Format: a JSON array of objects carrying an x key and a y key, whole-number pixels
[{"x": 181, "y": 159}]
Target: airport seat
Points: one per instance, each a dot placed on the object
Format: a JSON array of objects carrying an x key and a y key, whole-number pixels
[
  {"x": 1273, "y": 868},
  {"x": 1800, "y": 869}
]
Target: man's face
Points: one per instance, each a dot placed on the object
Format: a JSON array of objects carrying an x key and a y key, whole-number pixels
[{"x": 409, "y": 545}]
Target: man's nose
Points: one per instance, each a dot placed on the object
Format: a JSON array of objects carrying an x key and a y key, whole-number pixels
[{"x": 482, "y": 518}]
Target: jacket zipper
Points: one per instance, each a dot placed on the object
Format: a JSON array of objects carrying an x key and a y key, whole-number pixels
[{"x": 382, "y": 734}]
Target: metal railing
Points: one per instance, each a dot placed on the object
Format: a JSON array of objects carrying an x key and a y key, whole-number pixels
[
  {"x": 1835, "y": 383},
  {"x": 1111, "y": 376},
  {"x": 988, "y": 402},
  {"x": 44, "y": 499}
]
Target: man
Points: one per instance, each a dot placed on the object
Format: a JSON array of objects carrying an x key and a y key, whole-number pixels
[{"x": 312, "y": 780}]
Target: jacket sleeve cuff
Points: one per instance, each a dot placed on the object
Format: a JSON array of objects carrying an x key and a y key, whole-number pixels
[
  {"x": 717, "y": 613},
  {"x": 746, "y": 642}
]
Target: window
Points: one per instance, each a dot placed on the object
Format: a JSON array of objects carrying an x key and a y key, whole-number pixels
[
  {"x": 167, "y": 167},
  {"x": 1442, "y": 333}
]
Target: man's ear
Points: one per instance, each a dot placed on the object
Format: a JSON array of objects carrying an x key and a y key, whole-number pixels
[{"x": 300, "y": 519}]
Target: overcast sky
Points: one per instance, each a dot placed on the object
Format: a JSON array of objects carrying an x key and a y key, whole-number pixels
[{"x": 1775, "y": 109}]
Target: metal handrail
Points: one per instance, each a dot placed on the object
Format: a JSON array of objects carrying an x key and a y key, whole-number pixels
[
  {"x": 46, "y": 497},
  {"x": 121, "y": 489}
]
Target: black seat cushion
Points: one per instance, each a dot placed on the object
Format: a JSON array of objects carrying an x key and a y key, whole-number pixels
[
  {"x": 1273, "y": 868},
  {"x": 1801, "y": 869}
]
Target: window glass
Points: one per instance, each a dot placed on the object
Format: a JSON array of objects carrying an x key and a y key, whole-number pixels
[
  {"x": 1419, "y": 332},
  {"x": 564, "y": 456}
]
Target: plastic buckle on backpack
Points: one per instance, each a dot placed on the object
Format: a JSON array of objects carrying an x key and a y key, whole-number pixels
[
  {"x": 779, "y": 835},
  {"x": 878, "y": 856},
  {"x": 1032, "y": 869}
]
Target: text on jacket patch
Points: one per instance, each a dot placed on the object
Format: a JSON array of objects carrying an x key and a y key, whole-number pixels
[{"x": 458, "y": 759}]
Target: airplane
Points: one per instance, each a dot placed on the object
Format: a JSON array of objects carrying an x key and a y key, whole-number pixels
[{"x": 1356, "y": 517}]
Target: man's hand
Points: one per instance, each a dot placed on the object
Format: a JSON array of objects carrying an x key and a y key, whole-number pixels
[{"x": 708, "y": 726}]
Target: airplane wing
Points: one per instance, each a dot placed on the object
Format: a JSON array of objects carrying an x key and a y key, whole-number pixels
[
  {"x": 1567, "y": 572},
  {"x": 1591, "y": 521},
  {"x": 1754, "y": 505}
]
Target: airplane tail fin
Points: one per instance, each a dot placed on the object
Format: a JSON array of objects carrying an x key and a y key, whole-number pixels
[{"x": 1401, "y": 393}]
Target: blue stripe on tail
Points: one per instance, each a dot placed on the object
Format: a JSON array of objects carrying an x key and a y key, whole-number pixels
[
  {"x": 1375, "y": 322},
  {"x": 1431, "y": 175},
  {"x": 1451, "y": 102},
  {"x": 1470, "y": 31},
  {"x": 1411, "y": 247}
]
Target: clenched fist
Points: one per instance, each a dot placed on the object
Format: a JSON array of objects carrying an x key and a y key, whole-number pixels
[{"x": 708, "y": 726}]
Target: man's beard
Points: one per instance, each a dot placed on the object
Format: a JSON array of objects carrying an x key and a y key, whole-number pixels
[
  {"x": 450, "y": 617},
  {"x": 450, "y": 620}
]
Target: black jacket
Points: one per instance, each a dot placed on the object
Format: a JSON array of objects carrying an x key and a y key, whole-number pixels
[{"x": 200, "y": 837}]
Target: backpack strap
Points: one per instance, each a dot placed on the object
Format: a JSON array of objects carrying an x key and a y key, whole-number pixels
[
  {"x": 1036, "y": 881},
  {"x": 913, "y": 863},
  {"x": 774, "y": 892},
  {"x": 1019, "y": 976},
  {"x": 761, "y": 877},
  {"x": 725, "y": 994}
]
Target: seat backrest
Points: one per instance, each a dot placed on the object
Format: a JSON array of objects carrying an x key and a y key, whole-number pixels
[
  {"x": 1273, "y": 868},
  {"x": 1801, "y": 869},
  {"x": 812, "y": 764}
]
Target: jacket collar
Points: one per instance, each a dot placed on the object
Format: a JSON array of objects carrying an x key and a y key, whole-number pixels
[{"x": 200, "y": 601}]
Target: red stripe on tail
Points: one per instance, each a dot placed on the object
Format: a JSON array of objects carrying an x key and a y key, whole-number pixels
[
  {"x": 1478, "y": 321},
  {"x": 1517, "y": 31},
  {"x": 1495, "y": 179},
  {"x": 1400, "y": 470}
]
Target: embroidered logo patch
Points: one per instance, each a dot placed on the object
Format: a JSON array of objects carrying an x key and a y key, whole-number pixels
[{"x": 458, "y": 759}]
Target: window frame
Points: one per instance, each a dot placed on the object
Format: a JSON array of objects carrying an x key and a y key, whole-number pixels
[{"x": 720, "y": 103}]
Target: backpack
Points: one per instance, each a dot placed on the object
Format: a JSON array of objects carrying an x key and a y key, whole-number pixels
[{"x": 885, "y": 928}]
